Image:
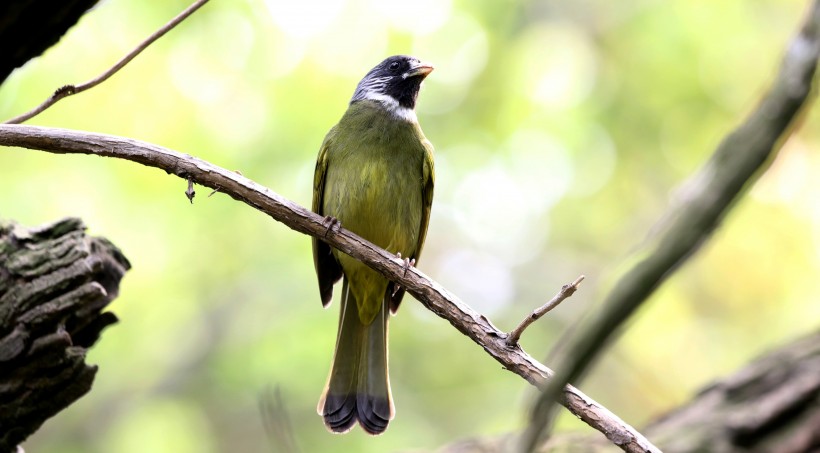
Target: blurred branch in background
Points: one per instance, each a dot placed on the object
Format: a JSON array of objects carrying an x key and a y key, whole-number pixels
[
  {"x": 68, "y": 90},
  {"x": 704, "y": 201},
  {"x": 771, "y": 404},
  {"x": 54, "y": 284},
  {"x": 437, "y": 299},
  {"x": 277, "y": 421}
]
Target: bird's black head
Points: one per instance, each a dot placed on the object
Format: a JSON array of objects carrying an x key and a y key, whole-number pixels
[{"x": 395, "y": 82}]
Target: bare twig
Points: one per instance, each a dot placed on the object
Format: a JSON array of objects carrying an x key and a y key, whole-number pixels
[
  {"x": 710, "y": 194},
  {"x": 565, "y": 292},
  {"x": 437, "y": 299},
  {"x": 69, "y": 90}
]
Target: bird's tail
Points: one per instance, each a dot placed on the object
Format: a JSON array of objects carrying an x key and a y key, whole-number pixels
[{"x": 358, "y": 388}]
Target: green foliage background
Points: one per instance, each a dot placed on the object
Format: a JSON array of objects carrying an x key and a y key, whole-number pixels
[{"x": 561, "y": 129}]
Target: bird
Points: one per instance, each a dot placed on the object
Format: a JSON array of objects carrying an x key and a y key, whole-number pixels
[{"x": 374, "y": 176}]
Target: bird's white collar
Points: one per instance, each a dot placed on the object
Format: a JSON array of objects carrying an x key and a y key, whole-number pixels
[{"x": 392, "y": 106}]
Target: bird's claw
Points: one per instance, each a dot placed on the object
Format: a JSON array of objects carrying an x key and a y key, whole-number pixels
[
  {"x": 408, "y": 263},
  {"x": 332, "y": 224}
]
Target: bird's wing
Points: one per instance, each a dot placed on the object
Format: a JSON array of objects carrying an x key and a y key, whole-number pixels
[
  {"x": 328, "y": 269},
  {"x": 428, "y": 179}
]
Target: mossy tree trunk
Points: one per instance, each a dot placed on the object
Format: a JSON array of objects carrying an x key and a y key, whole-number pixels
[{"x": 54, "y": 284}]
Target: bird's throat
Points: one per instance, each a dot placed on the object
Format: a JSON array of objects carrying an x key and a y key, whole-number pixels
[{"x": 392, "y": 107}]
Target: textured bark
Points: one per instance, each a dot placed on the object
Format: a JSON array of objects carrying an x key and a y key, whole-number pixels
[
  {"x": 54, "y": 283},
  {"x": 772, "y": 405}
]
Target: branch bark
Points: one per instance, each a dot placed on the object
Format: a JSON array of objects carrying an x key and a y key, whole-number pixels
[
  {"x": 705, "y": 200},
  {"x": 432, "y": 295},
  {"x": 54, "y": 283}
]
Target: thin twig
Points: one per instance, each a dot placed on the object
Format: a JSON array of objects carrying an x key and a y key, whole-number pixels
[
  {"x": 69, "y": 90},
  {"x": 432, "y": 295},
  {"x": 738, "y": 160},
  {"x": 565, "y": 292}
]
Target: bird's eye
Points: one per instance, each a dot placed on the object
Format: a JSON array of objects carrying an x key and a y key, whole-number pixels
[{"x": 394, "y": 66}]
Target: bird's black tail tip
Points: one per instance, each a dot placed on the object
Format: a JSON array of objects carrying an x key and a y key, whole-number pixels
[{"x": 341, "y": 412}]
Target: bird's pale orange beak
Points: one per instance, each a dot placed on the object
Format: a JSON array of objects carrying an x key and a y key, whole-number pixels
[{"x": 421, "y": 69}]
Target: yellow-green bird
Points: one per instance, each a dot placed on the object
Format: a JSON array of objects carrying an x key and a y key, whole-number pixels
[{"x": 374, "y": 175}]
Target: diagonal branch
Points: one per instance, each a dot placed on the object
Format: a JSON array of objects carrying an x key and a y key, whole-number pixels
[
  {"x": 705, "y": 200},
  {"x": 68, "y": 90},
  {"x": 437, "y": 299},
  {"x": 565, "y": 292}
]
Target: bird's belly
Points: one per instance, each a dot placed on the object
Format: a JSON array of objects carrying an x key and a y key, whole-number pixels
[{"x": 379, "y": 200}]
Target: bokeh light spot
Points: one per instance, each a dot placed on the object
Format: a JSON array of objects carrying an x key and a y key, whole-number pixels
[
  {"x": 419, "y": 17},
  {"x": 557, "y": 65},
  {"x": 477, "y": 277},
  {"x": 305, "y": 18}
]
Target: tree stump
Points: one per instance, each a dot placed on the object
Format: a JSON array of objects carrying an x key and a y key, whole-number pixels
[{"x": 54, "y": 284}]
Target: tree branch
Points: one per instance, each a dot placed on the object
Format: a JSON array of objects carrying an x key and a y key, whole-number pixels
[
  {"x": 432, "y": 295},
  {"x": 68, "y": 90},
  {"x": 704, "y": 201},
  {"x": 565, "y": 292}
]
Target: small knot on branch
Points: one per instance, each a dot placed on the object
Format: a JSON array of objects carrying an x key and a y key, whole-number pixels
[{"x": 63, "y": 91}]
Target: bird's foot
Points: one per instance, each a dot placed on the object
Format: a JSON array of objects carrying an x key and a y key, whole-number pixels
[
  {"x": 408, "y": 263},
  {"x": 332, "y": 223}
]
